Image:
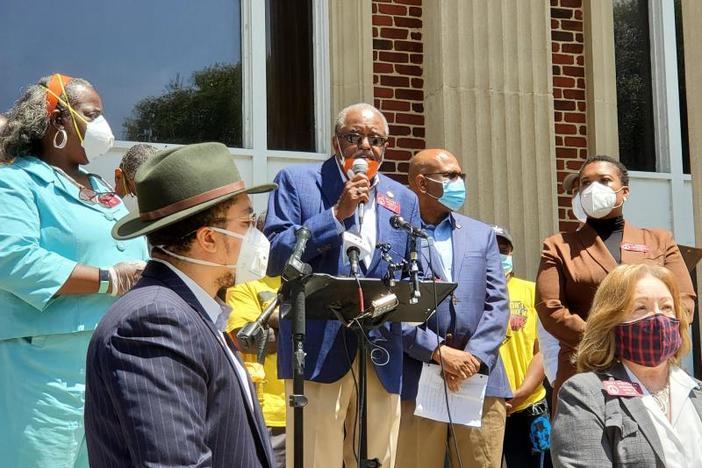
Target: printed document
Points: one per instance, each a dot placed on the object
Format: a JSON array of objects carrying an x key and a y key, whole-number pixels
[{"x": 466, "y": 404}]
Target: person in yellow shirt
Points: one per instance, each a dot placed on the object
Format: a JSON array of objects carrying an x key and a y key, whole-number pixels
[
  {"x": 527, "y": 428},
  {"x": 248, "y": 301}
]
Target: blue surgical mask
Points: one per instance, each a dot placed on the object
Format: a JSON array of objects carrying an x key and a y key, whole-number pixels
[
  {"x": 454, "y": 194},
  {"x": 506, "y": 263}
]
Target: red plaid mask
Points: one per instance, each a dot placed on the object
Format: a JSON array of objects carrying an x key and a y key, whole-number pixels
[{"x": 648, "y": 341}]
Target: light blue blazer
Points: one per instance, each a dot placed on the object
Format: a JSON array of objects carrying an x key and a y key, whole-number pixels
[{"x": 45, "y": 230}]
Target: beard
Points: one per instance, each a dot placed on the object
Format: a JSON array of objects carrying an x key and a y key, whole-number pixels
[{"x": 227, "y": 280}]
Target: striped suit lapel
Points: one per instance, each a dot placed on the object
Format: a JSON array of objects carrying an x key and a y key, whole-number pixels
[{"x": 164, "y": 274}]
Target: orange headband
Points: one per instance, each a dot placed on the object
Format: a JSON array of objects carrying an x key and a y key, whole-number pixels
[{"x": 56, "y": 88}]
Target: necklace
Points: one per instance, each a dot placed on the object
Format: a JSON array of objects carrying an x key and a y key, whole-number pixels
[
  {"x": 662, "y": 398},
  {"x": 107, "y": 199}
]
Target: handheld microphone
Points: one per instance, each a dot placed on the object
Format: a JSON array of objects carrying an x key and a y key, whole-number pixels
[
  {"x": 295, "y": 267},
  {"x": 398, "y": 222},
  {"x": 360, "y": 166}
]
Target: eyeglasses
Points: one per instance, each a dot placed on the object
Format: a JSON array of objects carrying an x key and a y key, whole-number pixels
[
  {"x": 449, "y": 175},
  {"x": 250, "y": 218},
  {"x": 106, "y": 199},
  {"x": 357, "y": 138}
]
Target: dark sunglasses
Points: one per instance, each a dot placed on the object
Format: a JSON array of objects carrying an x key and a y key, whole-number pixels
[{"x": 357, "y": 138}]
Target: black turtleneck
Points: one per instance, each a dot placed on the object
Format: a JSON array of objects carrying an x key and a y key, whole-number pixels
[{"x": 611, "y": 231}]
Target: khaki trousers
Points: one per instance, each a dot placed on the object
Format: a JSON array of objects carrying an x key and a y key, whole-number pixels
[
  {"x": 422, "y": 442},
  {"x": 329, "y": 418}
]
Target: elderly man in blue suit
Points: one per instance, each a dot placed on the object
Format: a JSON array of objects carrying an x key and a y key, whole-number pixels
[
  {"x": 165, "y": 387},
  {"x": 325, "y": 198},
  {"x": 472, "y": 324}
]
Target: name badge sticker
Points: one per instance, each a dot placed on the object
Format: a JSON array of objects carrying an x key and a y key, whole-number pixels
[
  {"x": 631, "y": 247},
  {"x": 621, "y": 388},
  {"x": 388, "y": 202}
]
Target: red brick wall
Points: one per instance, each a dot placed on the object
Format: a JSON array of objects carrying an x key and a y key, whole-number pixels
[
  {"x": 568, "y": 55},
  {"x": 398, "y": 81}
]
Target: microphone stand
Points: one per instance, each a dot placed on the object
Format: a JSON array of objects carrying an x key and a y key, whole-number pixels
[
  {"x": 295, "y": 273},
  {"x": 413, "y": 268}
]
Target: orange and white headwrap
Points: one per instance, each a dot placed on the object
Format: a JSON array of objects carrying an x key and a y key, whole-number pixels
[{"x": 56, "y": 87}]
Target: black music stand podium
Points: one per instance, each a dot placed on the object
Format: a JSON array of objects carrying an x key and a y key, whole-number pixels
[{"x": 329, "y": 297}]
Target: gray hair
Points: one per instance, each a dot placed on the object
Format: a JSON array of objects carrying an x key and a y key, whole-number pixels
[
  {"x": 28, "y": 121},
  {"x": 134, "y": 158},
  {"x": 361, "y": 106}
]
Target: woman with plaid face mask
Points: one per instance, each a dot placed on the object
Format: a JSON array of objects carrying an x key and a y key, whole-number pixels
[{"x": 631, "y": 404}]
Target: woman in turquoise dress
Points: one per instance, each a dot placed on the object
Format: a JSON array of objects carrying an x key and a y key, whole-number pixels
[{"x": 60, "y": 269}]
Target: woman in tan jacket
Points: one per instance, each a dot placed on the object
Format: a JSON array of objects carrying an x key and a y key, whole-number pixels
[{"x": 574, "y": 263}]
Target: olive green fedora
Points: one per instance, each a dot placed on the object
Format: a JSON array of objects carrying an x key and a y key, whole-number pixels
[{"x": 177, "y": 183}]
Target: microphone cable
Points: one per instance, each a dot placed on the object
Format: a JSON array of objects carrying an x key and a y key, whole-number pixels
[{"x": 452, "y": 432}]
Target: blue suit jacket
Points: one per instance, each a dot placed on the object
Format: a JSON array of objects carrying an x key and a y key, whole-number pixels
[
  {"x": 161, "y": 388},
  {"x": 475, "y": 314},
  {"x": 305, "y": 196}
]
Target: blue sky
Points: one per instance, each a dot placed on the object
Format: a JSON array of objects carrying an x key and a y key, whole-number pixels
[{"x": 128, "y": 49}]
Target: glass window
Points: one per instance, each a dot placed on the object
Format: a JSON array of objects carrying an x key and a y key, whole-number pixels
[
  {"x": 290, "y": 75},
  {"x": 637, "y": 149},
  {"x": 680, "y": 50},
  {"x": 168, "y": 71}
]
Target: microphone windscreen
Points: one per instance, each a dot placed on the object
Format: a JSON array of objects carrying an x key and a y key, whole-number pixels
[
  {"x": 265, "y": 296},
  {"x": 360, "y": 166}
]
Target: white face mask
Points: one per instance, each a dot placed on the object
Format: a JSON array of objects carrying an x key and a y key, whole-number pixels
[
  {"x": 577, "y": 206},
  {"x": 253, "y": 255},
  {"x": 98, "y": 138},
  {"x": 598, "y": 200}
]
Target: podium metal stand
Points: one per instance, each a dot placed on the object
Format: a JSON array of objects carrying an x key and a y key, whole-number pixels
[{"x": 326, "y": 297}]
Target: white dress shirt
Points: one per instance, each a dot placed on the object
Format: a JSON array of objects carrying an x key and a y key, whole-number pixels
[
  {"x": 681, "y": 437},
  {"x": 214, "y": 309}
]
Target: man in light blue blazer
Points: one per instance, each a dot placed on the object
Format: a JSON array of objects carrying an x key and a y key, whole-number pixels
[
  {"x": 325, "y": 198},
  {"x": 466, "y": 331}
]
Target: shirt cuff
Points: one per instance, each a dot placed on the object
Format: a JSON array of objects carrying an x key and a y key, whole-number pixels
[{"x": 340, "y": 228}]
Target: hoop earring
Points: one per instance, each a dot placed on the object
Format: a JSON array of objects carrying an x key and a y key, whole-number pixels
[{"x": 64, "y": 139}]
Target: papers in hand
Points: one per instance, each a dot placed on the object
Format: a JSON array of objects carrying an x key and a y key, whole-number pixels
[{"x": 466, "y": 405}]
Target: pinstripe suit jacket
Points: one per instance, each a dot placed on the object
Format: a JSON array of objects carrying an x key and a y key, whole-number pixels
[{"x": 161, "y": 389}]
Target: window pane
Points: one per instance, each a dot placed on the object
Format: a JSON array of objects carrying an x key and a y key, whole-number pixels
[
  {"x": 168, "y": 71},
  {"x": 634, "y": 91},
  {"x": 682, "y": 93},
  {"x": 290, "y": 75}
]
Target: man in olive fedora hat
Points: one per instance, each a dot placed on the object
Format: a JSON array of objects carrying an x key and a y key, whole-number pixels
[{"x": 164, "y": 386}]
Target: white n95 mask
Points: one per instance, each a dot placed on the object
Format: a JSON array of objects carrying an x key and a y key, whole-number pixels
[
  {"x": 98, "y": 138},
  {"x": 253, "y": 255},
  {"x": 577, "y": 206},
  {"x": 598, "y": 200}
]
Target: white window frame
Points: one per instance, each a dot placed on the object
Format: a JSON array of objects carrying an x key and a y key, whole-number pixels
[
  {"x": 255, "y": 118},
  {"x": 666, "y": 104},
  {"x": 254, "y": 98}
]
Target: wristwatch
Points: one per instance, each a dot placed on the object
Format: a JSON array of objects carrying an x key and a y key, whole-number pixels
[{"x": 104, "y": 281}]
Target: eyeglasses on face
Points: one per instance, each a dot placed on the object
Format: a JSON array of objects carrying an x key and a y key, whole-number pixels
[
  {"x": 449, "y": 175},
  {"x": 357, "y": 138}
]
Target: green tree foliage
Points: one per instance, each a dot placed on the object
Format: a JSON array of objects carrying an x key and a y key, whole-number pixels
[{"x": 207, "y": 108}]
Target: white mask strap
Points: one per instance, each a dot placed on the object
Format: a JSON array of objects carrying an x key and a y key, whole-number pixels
[{"x": 196, "y": 261}]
